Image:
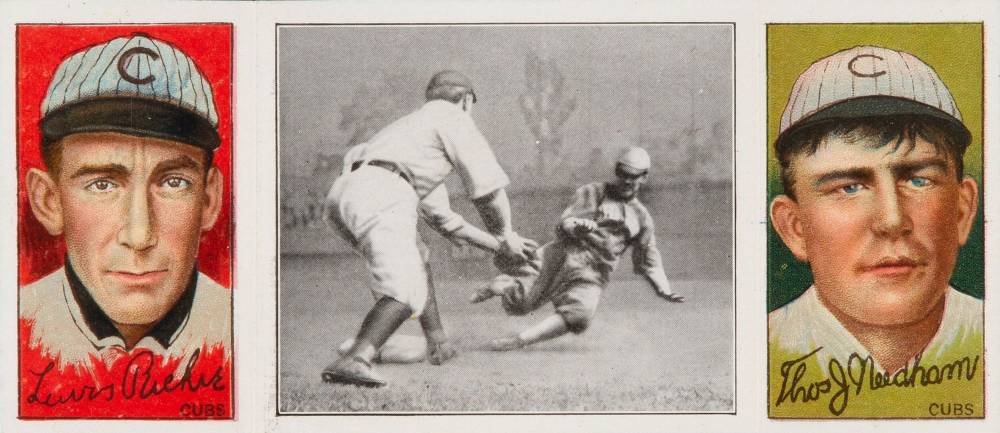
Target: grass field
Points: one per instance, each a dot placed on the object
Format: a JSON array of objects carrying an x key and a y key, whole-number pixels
[{"x": 640, "y": 354}]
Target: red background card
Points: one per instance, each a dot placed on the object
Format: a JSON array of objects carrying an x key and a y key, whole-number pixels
[{"x": 40, "y": 49}]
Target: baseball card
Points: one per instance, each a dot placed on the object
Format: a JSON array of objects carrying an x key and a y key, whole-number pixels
[
  {"x": 505, "y": 218},
  {"x": 499, "y": 216},
  {"x": 124, "y": 221},
  {"x": 875, "y": 258}
]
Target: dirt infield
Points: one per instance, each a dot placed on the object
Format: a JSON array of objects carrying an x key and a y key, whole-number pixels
[{"x": 640, "y": 354}]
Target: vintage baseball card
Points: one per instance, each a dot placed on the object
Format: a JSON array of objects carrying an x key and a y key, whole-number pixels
[
  {"x": 494, "y": 216},
  {"x": 475, "y": 218},
  {"x": 875, "y": 260},
  {"x": 124, "y": 221}
]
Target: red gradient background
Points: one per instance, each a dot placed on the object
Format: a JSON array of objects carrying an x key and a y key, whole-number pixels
[{"x": 40, "y": 49}]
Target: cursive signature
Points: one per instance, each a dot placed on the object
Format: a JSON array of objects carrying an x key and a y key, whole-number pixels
[
  {"x": 860, "y": 374},
  {"x": 139, "y": 380}
]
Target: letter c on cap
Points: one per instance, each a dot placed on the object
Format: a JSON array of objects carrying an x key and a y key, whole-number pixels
[
  {"x": 123, "y": 60},
  {"x": 858, "y": 73}
]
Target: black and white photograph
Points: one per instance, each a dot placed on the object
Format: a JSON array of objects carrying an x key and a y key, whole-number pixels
[{"x": 505, "y": 218}]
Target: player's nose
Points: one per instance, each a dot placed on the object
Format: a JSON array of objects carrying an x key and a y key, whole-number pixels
[
  {"x": 138, "y": 231},
  {"x": 891, "y": 217}
]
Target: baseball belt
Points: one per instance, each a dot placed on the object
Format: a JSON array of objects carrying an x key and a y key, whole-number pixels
[{"x": 385, "y": 165}]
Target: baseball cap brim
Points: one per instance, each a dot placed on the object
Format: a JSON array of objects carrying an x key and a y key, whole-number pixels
[
  {"x": 630, "y": 170},
  {"x": 877, "y": 106},
  {"x": 137, "y": 116}
]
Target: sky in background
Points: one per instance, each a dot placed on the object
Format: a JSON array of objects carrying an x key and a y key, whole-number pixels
[{"x": 629, "y": 81}]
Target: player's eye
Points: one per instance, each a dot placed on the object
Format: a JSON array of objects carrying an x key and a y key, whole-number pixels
[
  {"x": 101, "y": 186},
  {"x": 919, "y": 182},
  {"x": 852, "y": 188},
  {"x": 175, "y": 183}
]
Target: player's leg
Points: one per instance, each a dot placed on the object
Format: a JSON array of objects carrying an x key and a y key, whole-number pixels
[
  {"x": 546, "y": 285},
  {"x": 525, "y": 288},
  {"x": 354, "y": 367},
  {"x": 438, "y": 348},
  {"x": 398, "y": 349},
  {"x": 409, "y": 349},
  {"x": 385, "y": 228},
  {"x": 575, "y": 308},
  {"x": 550, "y": 327}
]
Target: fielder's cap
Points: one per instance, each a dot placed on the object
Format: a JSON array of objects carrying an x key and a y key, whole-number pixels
[
  {"x": 449, "y": 78},
  {"x": 133, "y": 85},
  {"x": 869, "y": 81},
  {"x": 634, "y": 161}
]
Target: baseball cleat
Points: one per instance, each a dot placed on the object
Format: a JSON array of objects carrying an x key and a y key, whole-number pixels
[
  {"x": 352, "y": 371},
  {"x": 504, "y": 344}
]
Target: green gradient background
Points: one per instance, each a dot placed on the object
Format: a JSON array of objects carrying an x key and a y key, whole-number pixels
[{"x": 954, "y": 50}]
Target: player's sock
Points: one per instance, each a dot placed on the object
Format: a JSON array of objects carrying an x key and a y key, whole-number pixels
[{"x": 382, "y": 320}]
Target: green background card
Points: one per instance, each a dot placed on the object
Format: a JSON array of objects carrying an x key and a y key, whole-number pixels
[{"x": 954, "y": 50}]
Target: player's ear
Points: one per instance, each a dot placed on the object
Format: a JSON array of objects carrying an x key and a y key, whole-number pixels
[
  {"x": 968, "y": 203},
  {"x": 467, "y": 102},
  {"x": 787, "y": 222},
  {"x": 213, "y": 199},
  {"x": 43, "y": 195}
]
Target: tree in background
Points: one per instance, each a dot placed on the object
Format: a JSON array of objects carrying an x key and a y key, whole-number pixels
[{"x": 546, "y": 106}]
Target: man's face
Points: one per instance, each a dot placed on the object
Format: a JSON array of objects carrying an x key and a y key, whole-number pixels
[
  {"x": 880, "y": 227},
  {"x": 627, "y": 183},
  {"x": 132, "y": 212}
]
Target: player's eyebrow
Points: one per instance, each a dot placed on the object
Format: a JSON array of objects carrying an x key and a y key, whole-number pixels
[
  {"x": 907, "y": 168},
  {"x": 102, "y": 169},
  {"x": 855, "y": 173},
  {"x": 178, "y": 163}
]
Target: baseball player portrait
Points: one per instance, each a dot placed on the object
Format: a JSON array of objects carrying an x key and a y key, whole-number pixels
[
  {"x": 603, "y": 221},
  {"x": 876, "y": 200},
  {"x": 129, "y": 128},
  {"x": 375, "y": 207}
]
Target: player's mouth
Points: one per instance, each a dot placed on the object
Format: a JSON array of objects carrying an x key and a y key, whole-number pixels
[
  {"x": 892, "y": 267},
  {"x": 138, "y": 278}
]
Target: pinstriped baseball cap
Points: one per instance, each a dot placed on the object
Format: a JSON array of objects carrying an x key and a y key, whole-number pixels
[
  {"x": 134, "y": 85},
  {"x": 869, "y": 81}
]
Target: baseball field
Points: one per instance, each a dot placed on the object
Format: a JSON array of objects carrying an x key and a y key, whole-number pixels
[{"x": 640, "y": 354}]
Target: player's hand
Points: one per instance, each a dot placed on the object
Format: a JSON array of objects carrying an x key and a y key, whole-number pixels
[
  {"x": 670, "y": 297},
  {"x": 578, "y": 226},
  {"x": 518, "y": 249}
]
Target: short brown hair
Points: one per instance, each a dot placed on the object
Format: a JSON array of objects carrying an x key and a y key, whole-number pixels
[{"x": 880, "y": 131}]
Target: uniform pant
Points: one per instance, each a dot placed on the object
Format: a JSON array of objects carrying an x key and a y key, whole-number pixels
[
  {"x": 566, "y": 275},
  {"x": 376, "y": 210}
]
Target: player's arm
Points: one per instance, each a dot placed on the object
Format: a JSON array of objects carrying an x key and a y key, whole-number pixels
[
  {"x": 494, "y": 209},
  {"x": 485, "y": 182},
  {"x": 647, "y": 261},
  {"x": 577, "y": 218},
  {"x": 435, "y": 208}
]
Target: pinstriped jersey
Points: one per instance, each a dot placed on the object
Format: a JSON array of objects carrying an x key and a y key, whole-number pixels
[{"x": 620, "y": 224}]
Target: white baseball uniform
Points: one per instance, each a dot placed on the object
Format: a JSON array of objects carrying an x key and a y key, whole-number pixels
[
  {"x": 68, "y": 324},
  {"x": 377, "y": 209},
  {"x": 805, "y": 324}
]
